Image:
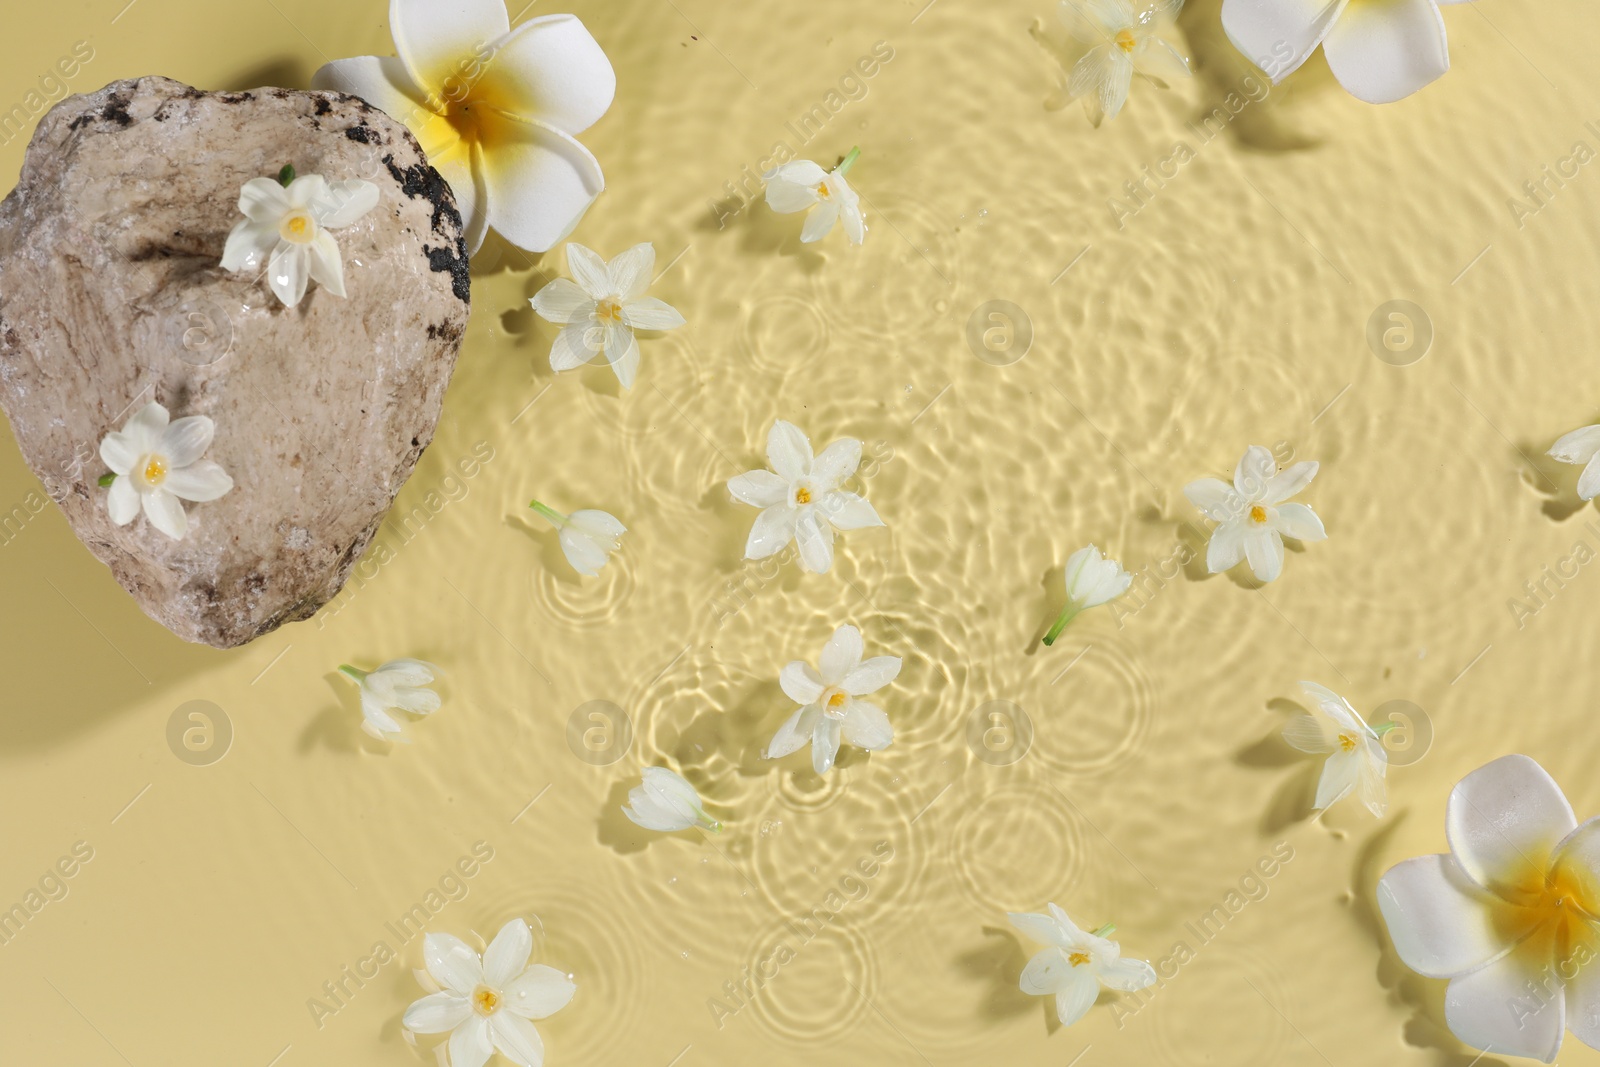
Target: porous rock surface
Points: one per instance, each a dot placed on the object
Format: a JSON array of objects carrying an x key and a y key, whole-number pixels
[{"x": 111, "y": 295}]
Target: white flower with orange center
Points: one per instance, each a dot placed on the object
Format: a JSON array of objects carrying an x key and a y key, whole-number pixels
[
  {"x": 1251, "y": 516},
  {"x": 831, "y": 710},
  {"x": 801, "y": 185},
  {"x": 1076, "y": 964},
  {"x": 488, "y": 1005},
  {"x": 286, "y": 226},
  {"x": 1510, "y": 915},
  {"x": 1356, "y": 760},
  {"x": 156, "y": 465},
  {"x": 496, "y": 110},
  {"x": 1123, "y": 42},
  {"x": 600, "y": 308},
  {"x": 801, "y": 498}
]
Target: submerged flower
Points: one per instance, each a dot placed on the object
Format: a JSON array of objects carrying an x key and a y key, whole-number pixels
[
  {"x": 1251, "y": 516},
  {"x": 1076, "y": 964},
  {"x": 1356, "y": 756},
  {"x": 157, "y": 466},
  {"x": 831, "y": 710},
  {"x": 1091, "y": 581},
  {"x": 1123, "y": 43},
  {"x": 488, "y": 1005},
  {"x": 495, "y": 110},
  {"x": 396, "y": 686},
  {"x": 1581, "y": 447},
  {"x": 587, "y": 537},
  {"x": 801, "y": 497},
  {"x": 1508, "y": 915},
  {"x": 599, "y": 310},
  {"x": 665, "y": 801},
  {"x": 286, "y": 226},
  {"x": 1379, "y": 50},
  {"x": 801, "y": 185}
]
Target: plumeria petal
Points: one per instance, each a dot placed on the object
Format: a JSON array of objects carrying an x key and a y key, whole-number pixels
[
  {"x": 539, "y": 180},
  {"x": 1491, "y": 1008},
  {"x": 507, "y": 955},
  {"x": 551, "y": 68},
  {"x": 541, "y": 991},
  {"x": 772, "y": 530},
  {"x": 472, "y": 196},
  {"x": 1504, "y": 821},
  {"x": 437, "y": 1013},
  {"x": 800, "y": 682},
  {"x": 381, "y": 81},
  {"x": 760, "y": 488},
  {"x": 1279, "y": 35},
  {"x": 1442, "y": 923},
  {"x": 1383, "y": 52},
  {"x": 841, "y": 655},
  {"x": 435, "y": 38}
]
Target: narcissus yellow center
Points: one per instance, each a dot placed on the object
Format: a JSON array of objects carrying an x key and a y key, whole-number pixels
[
  {"x": 802, "y": 495},
  {"x": 1347, "y": 743},
  {"x": 485, "y": 1000},
  {"x": 155, "y": 470},
  {"x": 298, "y": 227},
  {"x": 1258, "y": 514},
  {"x": 608, "y": 311},
  {"x": 1078, "y": 959},
  {"x": 837, "y": 701},
  {"x": 1126, "y": 40},
  {"x": 822, "y": 191}
]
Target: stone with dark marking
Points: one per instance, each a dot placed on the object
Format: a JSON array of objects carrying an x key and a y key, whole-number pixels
[{"x": 111, "y": 295}]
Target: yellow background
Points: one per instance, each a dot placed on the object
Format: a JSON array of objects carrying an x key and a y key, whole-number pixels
[{"x": 1232, "y": 308}]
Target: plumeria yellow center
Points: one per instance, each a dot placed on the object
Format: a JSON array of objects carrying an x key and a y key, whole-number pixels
[
  {"x": 1078, "y": 959},
  {"x": 1258, "y": 514},
  {"x": 608, "y": 310},
  {"x": 1126, "y": 40},
  {"x": 1347, "y": 743},
  {"x": 298, "y": 227},
  {"x": 155, "y": 470},
  {"x": 802, "y": 495},
  {"x": 485, "y": 1000}
]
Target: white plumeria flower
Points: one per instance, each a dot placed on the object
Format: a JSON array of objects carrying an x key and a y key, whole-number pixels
[
  {"x": 1508, "y": 915},
  {"x": 396, "y": 686},
  {"x": 830, "y": 709},
  {"x": 1581, "y": 447},
  {"x": 1076, "y": 964},
  {"x": 1123, "y": 43},
  {"x": 157, "y": 466},
  {"x": 488, "y": 1005},
  {"x": 1251, "y": 516},
  {"x": 495, "y": 110},
  {"x": 801, "y": 185},
  {"x": 286, "y": 227},
  {"x": 1091, "y": 580},
  {"x": 1357, "y": 759},
  {"x": 587, "y": 537},
  {"x": 664, "y": 801},
  {"x": 1379, "y": 50},
  {"x": 600, "y": 309},
  {"x": 801, "y": 497}
]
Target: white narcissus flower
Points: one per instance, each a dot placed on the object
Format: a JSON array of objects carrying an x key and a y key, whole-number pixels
[
  {"x": 830, "y": 709},
  {"x": 488, "y": 1005},
  {"x": 396, "y": 686},
  {"x": 587, "y": 537},
  {"x": 1091, "y": 580},
  {"x": 1581, "y": 447},
  {"x": 1076, "y": 964},
  {"x": 286, "y": 227},
  {"x": 1123, "y": 43},
  {"x": 495, "y": 110},
  {"x": 1356, "y": 756},
  {"x": 801, "y": 185},
  {"x": 156, "y": 466},
  {"x": 664, "y": 801},
  {"x": 1379, "y": 50},
  {"x": 601, "y": 307},
  {"x": 801, "y": 497},
  {"x": 1508, "y": 915},
  {"x": 1251, "y": 516}
]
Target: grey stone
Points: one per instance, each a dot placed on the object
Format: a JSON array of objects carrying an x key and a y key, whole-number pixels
[{"x": 111, "y": 295}]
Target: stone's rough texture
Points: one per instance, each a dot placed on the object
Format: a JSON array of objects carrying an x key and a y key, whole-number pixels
[{"x": 111, "y": 296}]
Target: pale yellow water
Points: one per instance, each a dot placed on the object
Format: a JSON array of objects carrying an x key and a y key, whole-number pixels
[{"x": 1230, "y": 308}]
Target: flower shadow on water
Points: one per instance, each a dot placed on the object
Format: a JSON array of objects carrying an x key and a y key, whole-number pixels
[
  {"x": 1556, "y": 482},
  {"x": 548, "y": 542},
  {"x": 997, "y": 964},
  {"x": 1426, "y": 1028},
  {"x": 499, "y": 256},
  {"x": 1291, "y": 801},
  {"x": 287, "y": 72},
  {"x": 1231, "y": 84},
  {"x": 762, "y": 232},
  {"x": 625, "y": 837}
]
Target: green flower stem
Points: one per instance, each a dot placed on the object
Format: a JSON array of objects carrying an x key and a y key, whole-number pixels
[
  {"x": 709, "y": 823},
  {"x": 107, "y": 479},
  {"x": 355, "y": 674},
  {"x": 1068, "y": 613},
  {"x": 845, "y": 163},
  {"x": 552, "y": 514},
  {"x": 1107, "y": 930},
  {"x": 286, "y": 175},
  {"x": 1384, "y": 727}
]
